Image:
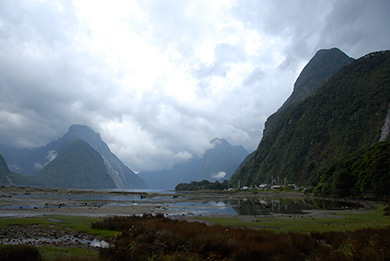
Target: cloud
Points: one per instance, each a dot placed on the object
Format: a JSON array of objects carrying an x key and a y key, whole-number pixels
[
  {"x": 219, "y": 175},
  {"x": 160, "y": 79},
  {"x": 51, "y": 155}
]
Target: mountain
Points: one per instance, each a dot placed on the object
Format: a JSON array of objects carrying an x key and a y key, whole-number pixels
[
  {"x": 77, "y": 166},
  {"x": 365, "y": 172},
  {"x": 7, "y": 177},
  {"x": 26, "y": 161},
  {"x": 324, "y": 64},
  {"x": 217, "y": 163},
  {"x": 121, "y": 174},
  {"x": 31, "y": 161},
  {"x": 169, "y": 178},
  {"x": 346, "y": 114}
]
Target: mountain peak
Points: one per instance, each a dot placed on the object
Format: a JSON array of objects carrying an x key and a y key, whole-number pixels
[
  {"x": 81, "y": 130},
  {"x": 219, "y": 141},
  {"x": 324, "y": 64}
]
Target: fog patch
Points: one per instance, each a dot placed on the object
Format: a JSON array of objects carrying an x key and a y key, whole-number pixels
[{"x": 51, "y": 155}]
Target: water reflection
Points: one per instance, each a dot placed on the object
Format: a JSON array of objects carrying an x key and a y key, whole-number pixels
[
  {"x": 193, "y": 204},
  {"x": 253, "y": 206}
]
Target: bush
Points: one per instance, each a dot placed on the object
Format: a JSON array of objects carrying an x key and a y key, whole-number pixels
[
  {"x": 160, "y": 238},
  {"x": 19, "y": 252}
]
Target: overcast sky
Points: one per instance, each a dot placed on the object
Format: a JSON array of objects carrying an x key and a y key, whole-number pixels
[{"x": 159, "y": 79}]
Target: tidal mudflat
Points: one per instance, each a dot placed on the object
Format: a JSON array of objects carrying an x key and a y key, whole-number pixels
[{"x": 31, "y": 201}]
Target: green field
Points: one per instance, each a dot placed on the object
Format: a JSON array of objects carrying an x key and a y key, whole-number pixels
[{"x": 346, "y": 220}]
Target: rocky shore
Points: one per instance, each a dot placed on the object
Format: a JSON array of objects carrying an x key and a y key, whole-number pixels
[{"x": 38, "y": 236}]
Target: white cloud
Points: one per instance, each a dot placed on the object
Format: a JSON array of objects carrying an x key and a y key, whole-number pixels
[
  {"x": 219, "y": 175},
  {"x": 160, "y": 79}
]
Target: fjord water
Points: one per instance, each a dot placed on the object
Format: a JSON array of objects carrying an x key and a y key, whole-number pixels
[{"x": 183, "y": 203}]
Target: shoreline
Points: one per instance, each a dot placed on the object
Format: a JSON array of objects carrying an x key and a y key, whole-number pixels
[{"x": 22, "y": 201}]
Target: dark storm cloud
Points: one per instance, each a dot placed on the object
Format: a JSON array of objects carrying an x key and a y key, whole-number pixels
[{"x": 160, "y": 79}]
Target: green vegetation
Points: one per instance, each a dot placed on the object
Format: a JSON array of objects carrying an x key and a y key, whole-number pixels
[
  {"x": 344, "y": 235},
  {"x": 68, "y": 223},
  {"x": 159, "y": 238},
  {"x": 366, "y": 172},
  {"x": 61, "y": 253},
  {"x": 19, "y": 252},
  {"x": 320, "y": 68},
  {"x": 329, "y": 221},
  {"x": 31, "y": 253},
  {"x": 346, "y": 114},
  {"x": 203, "y": 185}
]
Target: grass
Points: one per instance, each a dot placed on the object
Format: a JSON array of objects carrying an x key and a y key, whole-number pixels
[
  {"x": 159, "y": 238},
  {"x": 59, "y": 253},
  {"x": 61, "y": 222},
  {"x": 23, "y": 252},
  {"x": 345, "y": 221},
  {"x": 344, "y": 236}
]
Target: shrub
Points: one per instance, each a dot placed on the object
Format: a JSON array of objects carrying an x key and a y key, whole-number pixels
[
  {"x": 19, "y": 252},
  {"x": 160, "y": 238}
]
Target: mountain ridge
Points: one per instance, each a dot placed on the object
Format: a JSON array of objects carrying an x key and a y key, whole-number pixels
[
  {"x": 217, "y": 163},
  {"x": 324, "y": 64},
  {"x": 325, "y": 126},
  {"x": 77, "y": 166},
  {"x": 30, "y": 162}
]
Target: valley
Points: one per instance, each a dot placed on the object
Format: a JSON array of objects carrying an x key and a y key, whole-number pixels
[{"x": 58, "y": 221}]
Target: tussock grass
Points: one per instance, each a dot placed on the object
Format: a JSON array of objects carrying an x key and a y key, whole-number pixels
[
  {"x": 159, "y": 238},
  {"x": 60, "y": 253}
]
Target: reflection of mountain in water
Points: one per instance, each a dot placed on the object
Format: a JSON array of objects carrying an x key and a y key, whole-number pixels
[
  {"x": 252, "y": 206},
  {"x": 258, "y": 206}
]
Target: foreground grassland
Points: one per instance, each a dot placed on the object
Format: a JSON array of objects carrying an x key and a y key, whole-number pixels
[
  {"x": 330, "y": 235},
  {"x": 61, "y": 253},
  {"x": 343, "y": 220},
  {"x": 68, "y": 223}
]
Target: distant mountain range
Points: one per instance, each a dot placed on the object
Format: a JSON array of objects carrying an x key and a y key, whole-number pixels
[
  {"x": 337, "y": 114},
  {"x": 217, "y": 163},
  {"x": 80, "y": 159}
]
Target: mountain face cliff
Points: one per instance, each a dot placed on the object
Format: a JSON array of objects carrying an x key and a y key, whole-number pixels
[
  {"x": 217, "y": 163},
  {"x": 121, "y": 174},
  {"x": 324, "y": 64},
  {"x": 345, "y": 114},
  {"x": 31, "y": 162},
  {"x": 77, "y": 166}
]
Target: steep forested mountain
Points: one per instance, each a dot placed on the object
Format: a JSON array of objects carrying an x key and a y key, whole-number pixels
[
  {"x": 346, "y": 114},
  {"x": 77, "y": 166},
  {"x": 31, "y": 162},
  {"x": 217, "y": 163},
  {"x": 321, "y": 67},
  {"x": 365, "y": 172}
]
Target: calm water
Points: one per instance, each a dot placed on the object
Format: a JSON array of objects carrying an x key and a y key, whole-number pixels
[{"x": 182, "y": 203}]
